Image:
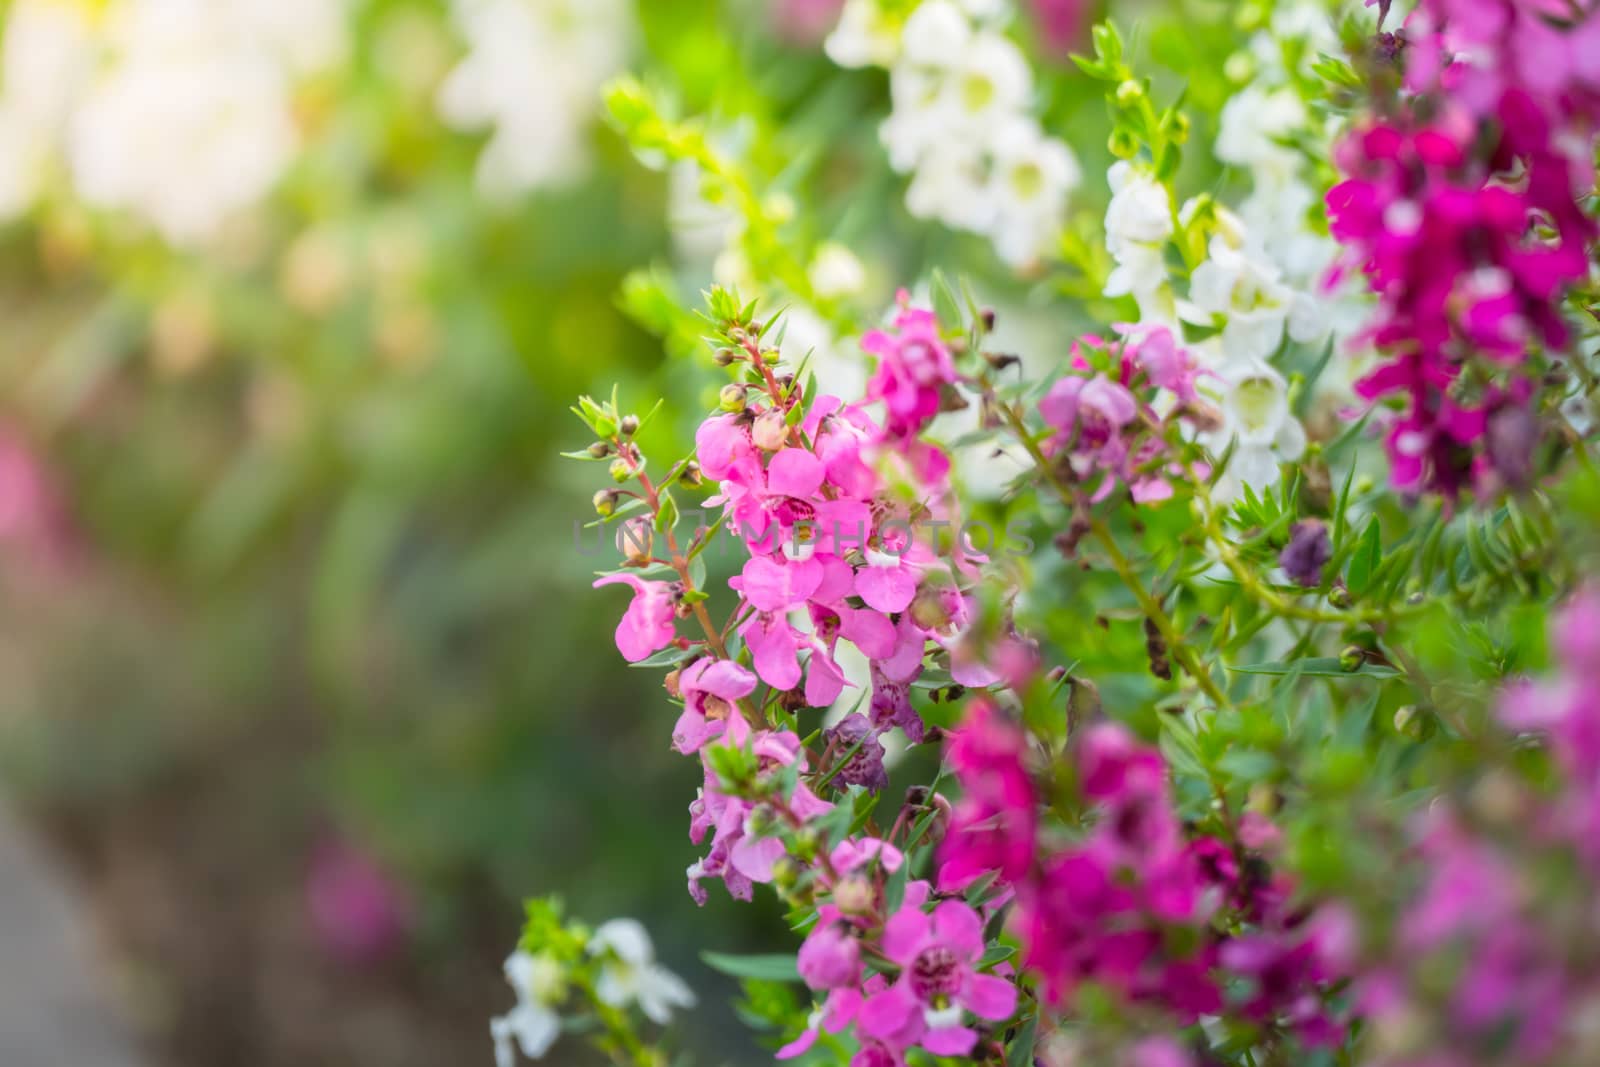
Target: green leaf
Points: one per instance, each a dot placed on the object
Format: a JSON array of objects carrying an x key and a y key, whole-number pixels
[
  {"x": 1366, "y": 560},
  {"x": 1317, "y": 667},
  {"x": 768, "y": 968},
  {"x": 946, "y": 305},
  {"x": 1020, "y": 1051}
]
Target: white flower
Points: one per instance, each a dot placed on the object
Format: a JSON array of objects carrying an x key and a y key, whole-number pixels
[
  {"x": 1254, "y": 400},
  {"x": 532, "y": 1024},
  {"x": 951, "y": 186},
  {"x": 46, "y": 57},
  {"x": 533, "y": 73},
  {"x": 1138, "y": 226},
  {"x": 1253, "y": 123},
  {"x": 836, "y": 272},
  {"x": 629, "y": 972},
  {"x": 189, "y": 124},
  {"x": 1029, "y": 182},
  {"x": 951, "y": 83},
  {"x": 1241, "y": 286},
  {"x": 864, "y": 37}
]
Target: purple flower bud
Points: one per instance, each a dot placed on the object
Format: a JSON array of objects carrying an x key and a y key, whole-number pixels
[
  {"x": 865, "y": 767},
  {"x": 1307, "y": 553}
]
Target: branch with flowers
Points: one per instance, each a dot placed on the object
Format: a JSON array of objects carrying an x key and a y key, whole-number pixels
[{"x": 1098, "y": 767}]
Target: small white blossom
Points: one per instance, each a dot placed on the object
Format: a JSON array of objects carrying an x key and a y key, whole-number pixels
[
  {"x": 533, "y": 74},
  {"x": 1240, "y": 286},
  {"x": 1253, "y": 125},
  {"x": 1254, "y": 400},
  {"x": 630, "y": 974},
  {"x": 533, "y": 1025},
  {"x": 1029, "y": 182},
  {"x": 864, "y": 37},
  {"x": 1139, "y": 224},
  {"x": 836, "y": 271}
]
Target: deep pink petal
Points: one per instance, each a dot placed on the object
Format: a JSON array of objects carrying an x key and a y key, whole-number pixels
[
  {"x": 950, "y": 1041},
  {"x": 794, "y": 472}
]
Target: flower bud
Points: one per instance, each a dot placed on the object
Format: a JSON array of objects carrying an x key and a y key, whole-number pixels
[
  {"x": 731, "y": 398},
  {"x": 605, "y": 503},
  {"x": 690, "y": 477},
  {"x": 770, "y": 431},
  {"x": 1339, "y": 597},
  {"x": 636, "y": 540},
  {"x": 1352, "y": 658},
  {"x": 725, "y": 357},
  {"x": 854, "y": 895},
  {"x": 670, "y": 682},
  {"x": 1307, "y": 553},
  {"x": 600, "y": 450},
  {"x": 629, "y": 425},
  {"x": 621, "y": 470},
  {"x": 1411, "y": 722},
  {"x": 1129, "y": 92}
]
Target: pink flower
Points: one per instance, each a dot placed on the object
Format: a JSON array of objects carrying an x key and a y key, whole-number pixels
[
  {"x": 646, "y": 626},
  {"x": 939, "y": 981},
  {"x": 994, "y": 824},
  {"x": 830, "y": 957},
  {"x": 359, "y": 912},
  {"x": 914, "y": 367},
  {"x": 710, "y": 689}
]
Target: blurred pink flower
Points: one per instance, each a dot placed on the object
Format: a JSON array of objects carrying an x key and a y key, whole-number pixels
[{"x": 359, "y": 912}]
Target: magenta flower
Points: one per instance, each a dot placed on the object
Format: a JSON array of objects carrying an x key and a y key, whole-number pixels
[
  {"x": 359, "y": 912},
  {"x": 914, "y": 367},
  {"x": 994, "y": 824},
  {"x": 646, "y": 626},
  {"x": 939, "y": 981}
]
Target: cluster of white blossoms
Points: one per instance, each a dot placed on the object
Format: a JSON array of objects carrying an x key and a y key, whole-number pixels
[
  {"x": 532, "y": 74},
  {"x": 961, "y": 124},
  {"x": 1267, "y": 132},
  {"x": 628, "y": 975},
  {"x": 176, "y": 111},
  {"x": 1240, "y": 296}
]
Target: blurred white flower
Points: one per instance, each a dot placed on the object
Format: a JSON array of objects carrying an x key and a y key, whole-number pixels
[
  {"x": 532, "y": 1024},
  {"x": 864, "y": 36},
  {"x": 533, "y": 73},
  {"x": 189, "y": 122},
  {"x": 960, "y": 127},
  {"x": 1254, "y": 400},
  {"x": 630, "y": 974},
  {"x": 1240, "y": 286},
  {"x": 1031, "y": 178},
  {"x": 836, "y": 271},
  {"x": 1253, "y": 125},
  {"x": 1139, "y": 224},
  {"x": 47, "y": 55}
]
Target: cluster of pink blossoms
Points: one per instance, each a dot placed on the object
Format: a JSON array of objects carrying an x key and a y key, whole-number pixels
[
  {"x": 1471, "y": 241},
  {"x": 829, "y": 503},
  {"x": 1179, "y": 920},
  {"x": 1113, "y": 415},
  {"x": 1506, "y": 900}
]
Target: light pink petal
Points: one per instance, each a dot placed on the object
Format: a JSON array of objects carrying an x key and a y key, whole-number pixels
[
  {"x": 773, "y": 646},
  {"x": 950, "y": 1041},
  {"x": 824, "y": 680},
  {"x": 726, "y": 679},
  {"x": 694, "y": 730},
  {"x": 869, "y": 631},
  {"x": 794, "y": 472},
  {"x": 887, "y": 589},
  {"x": 841, "y": 1009},
  {"x": 956, "y": 925},
  {"x": 754, "y": 857},
  {"x": 989, "y": 997},
  {"x": 772, "y": 586}
]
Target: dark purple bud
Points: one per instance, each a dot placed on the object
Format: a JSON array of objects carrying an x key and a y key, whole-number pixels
[
  {"x": 1307, "y": 553},
  {"x": 864, "y": 767}
]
